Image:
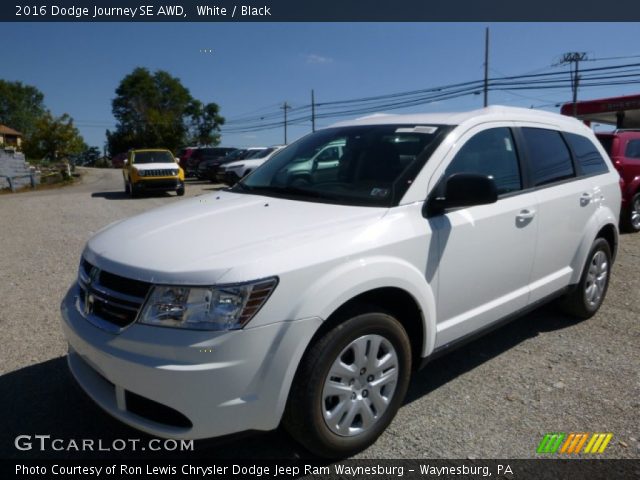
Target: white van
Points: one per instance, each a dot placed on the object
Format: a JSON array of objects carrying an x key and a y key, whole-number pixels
[{"x": 310, "y": 300}]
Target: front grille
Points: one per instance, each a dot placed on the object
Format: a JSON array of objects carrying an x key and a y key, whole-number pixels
[
  {"x": 109, "y": 297},
  {"x": 159, "y": 172}
]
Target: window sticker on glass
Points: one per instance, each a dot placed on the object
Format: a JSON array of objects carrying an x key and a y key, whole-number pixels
[
  {"x": 379, "y": 192},
  {"x": 417, "y": 129},
  {"x": 507, "y": 144}
]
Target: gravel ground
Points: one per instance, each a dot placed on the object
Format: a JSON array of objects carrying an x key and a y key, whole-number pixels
[{"x": 494, "y": 398}]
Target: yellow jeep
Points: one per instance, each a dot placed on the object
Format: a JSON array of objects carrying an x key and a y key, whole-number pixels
[{"x": 152, "y": 169}]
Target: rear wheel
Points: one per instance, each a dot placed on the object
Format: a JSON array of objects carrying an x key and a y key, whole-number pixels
[
  {"x": 631, "y": 217},
  {"x": 586, "y": 299},
  {"x": 349, "y": 385}
]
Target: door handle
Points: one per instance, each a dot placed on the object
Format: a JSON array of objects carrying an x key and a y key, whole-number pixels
[
  {"x": 526, "y": 214},
  {"x": 585, "y": 199}
]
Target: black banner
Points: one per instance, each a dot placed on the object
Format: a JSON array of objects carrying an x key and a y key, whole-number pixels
[
  {"x": 352, "y": 469},
  {"x": 316, "y": 11}
]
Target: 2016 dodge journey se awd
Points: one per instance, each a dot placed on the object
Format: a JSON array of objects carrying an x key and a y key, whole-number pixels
[{"x": 309, "y": 295}]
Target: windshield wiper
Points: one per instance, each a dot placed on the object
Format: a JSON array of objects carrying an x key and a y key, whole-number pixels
[
  {"x": 240, "y": 185},
  {"x": 286, "y": 191}
]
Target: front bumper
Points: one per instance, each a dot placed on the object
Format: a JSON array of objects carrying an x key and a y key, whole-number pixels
[
  {"x": 187, "y": 384},
  {"x": 157, "y": 184}
]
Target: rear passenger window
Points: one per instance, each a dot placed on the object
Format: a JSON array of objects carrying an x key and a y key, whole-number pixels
[
  {"x": 633, "y": 149},
  {"x": 549, "y": 156},
  {"x": 589, "y": 159},
  {"x": 490, "y": 152}
]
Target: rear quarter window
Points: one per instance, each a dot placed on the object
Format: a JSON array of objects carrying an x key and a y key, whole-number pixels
[{"x": 587, "y": 155}]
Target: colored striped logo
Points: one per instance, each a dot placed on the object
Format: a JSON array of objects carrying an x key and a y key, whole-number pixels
[{"x": 574, "y": 443}]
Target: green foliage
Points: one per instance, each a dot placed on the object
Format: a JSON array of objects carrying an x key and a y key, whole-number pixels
[
  {"x": 53, "y": 138},
  {"x": 205, "y": 123},
  {"x": 102, "y": 163},
  {"x": 20, "y": 106},
  {"x": 157, "y": 111}
]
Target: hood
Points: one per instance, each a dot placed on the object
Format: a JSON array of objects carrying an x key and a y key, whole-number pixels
[
  {"x": 199, "y": 240},
  {"x": 154, "y": 166}
]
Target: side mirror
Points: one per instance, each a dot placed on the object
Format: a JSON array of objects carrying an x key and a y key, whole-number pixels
[{"x": 463, "y": 190}]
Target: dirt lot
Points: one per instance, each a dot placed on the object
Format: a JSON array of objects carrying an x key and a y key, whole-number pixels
[{"x": 495, "y": 397}]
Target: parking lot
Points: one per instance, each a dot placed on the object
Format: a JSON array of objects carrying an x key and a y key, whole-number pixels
[{"x": 494, "y": 398}]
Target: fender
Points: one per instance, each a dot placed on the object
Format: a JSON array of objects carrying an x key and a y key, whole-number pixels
[
  {"x": 351, "y": 279},
  {"x": 602, "y": 217}
]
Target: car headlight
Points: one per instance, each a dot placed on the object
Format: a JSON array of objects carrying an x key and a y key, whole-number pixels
[
  {"x": 141, "y": 173},
  {"x": 222, "y": 307},
  {"x": 174, "y": 172}
]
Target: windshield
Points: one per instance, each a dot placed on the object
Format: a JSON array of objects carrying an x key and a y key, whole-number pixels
[
  {"x": 607, "y": 142},
  {"x": 237, "y": 155},
  {"x": 370, "y": 165},
  {"x": 153, "y": 157},
  {"x": 263, "y": 152}
]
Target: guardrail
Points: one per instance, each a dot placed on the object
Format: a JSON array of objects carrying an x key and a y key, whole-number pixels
[
  {"x": 12, "y": 185},
  {"x": 30, "y": 176}
]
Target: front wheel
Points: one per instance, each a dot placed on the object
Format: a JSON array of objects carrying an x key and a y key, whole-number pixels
[
  {"x": 589, "y": 294},
  {"x": 631, "y": 216},
  {"x": 349, "y": 385},
  {"x": 180, "y": 190}
]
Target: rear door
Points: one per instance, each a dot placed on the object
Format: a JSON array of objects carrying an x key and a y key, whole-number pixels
[{"x": 566, "y": 201}]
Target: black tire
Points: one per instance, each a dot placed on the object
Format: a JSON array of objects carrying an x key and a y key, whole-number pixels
[
  {"x": 180, "y": 191},
  {"x": 304, "y": 417},
  {"x": 126, "y": 187},
  {"x": 630, "y": 218},
  {"x": 133, "y": 193},
  {"x": 579, "y": 303}
]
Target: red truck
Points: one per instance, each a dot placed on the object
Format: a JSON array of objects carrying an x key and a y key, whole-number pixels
[{"x": 623, "y": 146}]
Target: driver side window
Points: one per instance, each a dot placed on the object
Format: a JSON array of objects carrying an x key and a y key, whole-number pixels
[{"x": 491, "y": 152}]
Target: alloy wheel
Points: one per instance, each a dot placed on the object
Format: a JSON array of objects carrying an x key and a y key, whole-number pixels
[
  {"x": 596, "y": 281},
  {"x": 360, "y": 385}
]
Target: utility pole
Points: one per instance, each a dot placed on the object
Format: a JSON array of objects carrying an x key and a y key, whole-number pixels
[
  {"x": 486, "y": 67},
  {"x": 313, "y": 112},
  {"x": 573, "y": 59},
  {"x": 285, "y": 107}
]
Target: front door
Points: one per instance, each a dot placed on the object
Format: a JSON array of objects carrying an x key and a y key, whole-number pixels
[{"x": 486, "y": 252}]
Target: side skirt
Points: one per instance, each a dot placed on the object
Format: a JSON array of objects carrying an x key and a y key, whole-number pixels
[{"x": 444, "y": 349}]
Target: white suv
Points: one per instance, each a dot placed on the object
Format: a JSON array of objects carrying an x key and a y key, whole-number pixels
[
  {"x": 309, "y": 300},
  {"x": 231, "y": 172}
]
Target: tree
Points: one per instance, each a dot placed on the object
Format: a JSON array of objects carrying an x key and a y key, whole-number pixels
[
  {"x": 157, "y": 111},
  {"x": 54, "y": 138},
  {"x": 205, "y": 123},
  {"x": 20, "y": 106}
]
